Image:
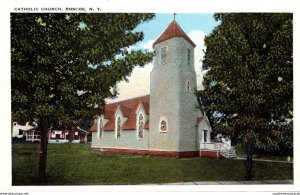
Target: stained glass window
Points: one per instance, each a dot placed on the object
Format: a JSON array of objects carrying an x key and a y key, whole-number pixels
[
  {"x": 100, "y": 128},
  {"x": 141, "y": 127},
  {"x": 119, "y": 127},
  {"x": 163, "y": 126}
]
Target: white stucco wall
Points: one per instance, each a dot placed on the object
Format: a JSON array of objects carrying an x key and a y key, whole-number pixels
[
  {"x": 188, "y": 131},
  {"x": 169, "y": 98},
  {"x": 128, "y": 140}
]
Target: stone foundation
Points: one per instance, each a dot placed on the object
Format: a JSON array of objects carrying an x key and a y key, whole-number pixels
[
  {"x": 176, "y": 154},
  {"x": 211, "y": 154}
]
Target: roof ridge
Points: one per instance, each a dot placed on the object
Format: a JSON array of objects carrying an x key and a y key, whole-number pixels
[{"x": 128, "y": 99}]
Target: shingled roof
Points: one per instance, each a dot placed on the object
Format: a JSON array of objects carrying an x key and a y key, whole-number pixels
[
  {"x": 128, "y": 108},
  {"x": 173, "y": 30}
]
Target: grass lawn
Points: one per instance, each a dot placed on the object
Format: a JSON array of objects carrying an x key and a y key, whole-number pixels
[{"x": 75, "y": 164}]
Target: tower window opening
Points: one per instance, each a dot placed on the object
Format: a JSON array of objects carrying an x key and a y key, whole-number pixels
[
  {"x": 188, "y": 86},
  {"x": 188, "y": 57},
  {"x": 163, "y": 55}
]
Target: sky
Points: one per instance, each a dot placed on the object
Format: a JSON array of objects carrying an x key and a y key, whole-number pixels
[{"x": 196, "y": 26}]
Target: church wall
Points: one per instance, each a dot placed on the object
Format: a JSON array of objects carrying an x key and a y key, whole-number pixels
[
  {"x": 164, "y": 97},
  {"x": 188, "y": 131},
  {"x": 128, "y": 140},
  {"x": 167, "y": 96}
]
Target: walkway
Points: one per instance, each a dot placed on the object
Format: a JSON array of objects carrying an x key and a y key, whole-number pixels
[
  {"x": 261, "y": 182},
  {"x": 261, "y": 160}
]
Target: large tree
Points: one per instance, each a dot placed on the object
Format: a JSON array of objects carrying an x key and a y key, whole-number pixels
[
  {"x": 63, "y": 66},
  {"x": 249, "y": 80}
]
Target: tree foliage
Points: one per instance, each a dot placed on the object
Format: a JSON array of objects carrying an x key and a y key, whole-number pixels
[
  {"x": 63, "y": 66},
  {"x": 249, "y": 78}
]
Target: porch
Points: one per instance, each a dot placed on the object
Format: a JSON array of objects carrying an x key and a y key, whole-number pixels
[
  {"x": 32, "y": 136},
  {"x": 216, "y": 150}
]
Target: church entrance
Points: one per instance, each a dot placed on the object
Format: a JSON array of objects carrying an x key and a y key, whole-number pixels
[{"x": 204, "y": 135}]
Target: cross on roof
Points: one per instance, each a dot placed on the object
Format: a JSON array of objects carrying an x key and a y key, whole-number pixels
[{"x": 174, "y": 15}]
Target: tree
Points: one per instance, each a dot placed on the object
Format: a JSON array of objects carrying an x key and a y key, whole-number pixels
[
  {"x": 249, "y": 80},
  {"x": 63, "y": 66}
]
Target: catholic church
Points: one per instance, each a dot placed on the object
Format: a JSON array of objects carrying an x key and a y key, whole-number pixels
[{"x": 165, "y": 122}]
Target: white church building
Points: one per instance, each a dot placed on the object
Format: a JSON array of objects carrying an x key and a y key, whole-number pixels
[{"x": 165, "y": 122}]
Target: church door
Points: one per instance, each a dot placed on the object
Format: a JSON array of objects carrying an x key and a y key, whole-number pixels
[{"x": 203, "y": 135}]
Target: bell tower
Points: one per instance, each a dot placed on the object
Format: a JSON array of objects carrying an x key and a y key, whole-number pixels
[{"x": 172, "y": 106}]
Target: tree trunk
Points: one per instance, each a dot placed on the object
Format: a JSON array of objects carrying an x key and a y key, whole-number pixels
[
  {"x": 249, "y": 162},
  {"x": 71, "y": 135},
  {"x": 43, "y": 154}
]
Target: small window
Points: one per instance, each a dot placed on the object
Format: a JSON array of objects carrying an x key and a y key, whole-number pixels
[
  {"x": 118, "y": 133},
  {"x": 163, "y": 55},
  {"x": 163, "y": 126},
  {"x": 188, "y": 86},
  {"x": 188, "y": 57},
  {"x": 141, "y": 126},
  {"x": 100, "y": 128},
  {"x": 204, "y": 135}
]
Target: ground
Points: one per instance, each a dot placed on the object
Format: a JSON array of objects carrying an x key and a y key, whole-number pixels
[{"x": 75, "y": 164}]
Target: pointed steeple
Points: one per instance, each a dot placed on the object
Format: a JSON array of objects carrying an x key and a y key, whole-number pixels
[{"x": 173, "y": 30}]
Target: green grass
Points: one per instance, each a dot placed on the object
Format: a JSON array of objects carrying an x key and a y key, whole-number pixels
[{"x": 75, "y": 164}]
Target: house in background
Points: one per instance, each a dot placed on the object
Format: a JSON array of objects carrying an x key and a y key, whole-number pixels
[
  {"x": 32, "y": 135},
  {"x": 63, "y": 135},
  {"x": 165, "y": 122},
  {"x": 59, "y": 134},
  {"x": 18, "y": 132}
]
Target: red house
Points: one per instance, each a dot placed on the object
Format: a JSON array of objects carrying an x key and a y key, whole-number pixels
[{"x": 59, "y": 134}]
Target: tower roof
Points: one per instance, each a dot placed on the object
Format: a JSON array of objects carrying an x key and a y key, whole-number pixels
[{"x": 173, "y": 30}]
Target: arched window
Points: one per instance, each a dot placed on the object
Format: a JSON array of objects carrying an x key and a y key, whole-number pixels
[
  {"x": 163, "y": 126},
  {"x": 141, "y": 126},
  {"x": 118, "y": 128},
  {"x": 188, "y": 86},
  {"x": 100, "y": 133}
]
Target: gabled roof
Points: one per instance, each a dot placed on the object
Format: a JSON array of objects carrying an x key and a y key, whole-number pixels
[
  {"x": 201, "y": 119},
  {"x": 128, "y": 109},
  {"x": 173, "y": 30}
]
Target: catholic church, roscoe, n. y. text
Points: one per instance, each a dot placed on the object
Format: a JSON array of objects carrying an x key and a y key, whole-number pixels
[{"x": 165, "y": 122}]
